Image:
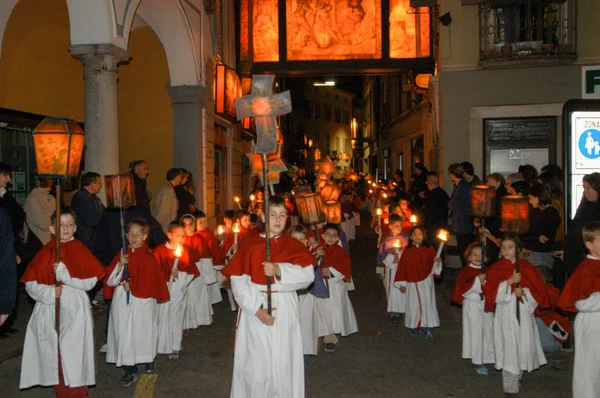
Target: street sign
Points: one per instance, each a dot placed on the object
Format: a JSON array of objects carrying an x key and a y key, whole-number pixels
[{"x": 590, "y": 82}]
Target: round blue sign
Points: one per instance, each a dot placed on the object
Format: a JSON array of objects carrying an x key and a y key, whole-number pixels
[{"x": 589, "y": 144}]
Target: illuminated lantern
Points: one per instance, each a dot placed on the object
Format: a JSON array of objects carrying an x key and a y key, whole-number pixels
[
  {"x": 483, "y": 201},
  {"x": 311, "y": 208},
  {"x": 317, "y": 154},
  {"x": 333, "y": 212},
  {"x": 111, "y": 186},
  {"x": 58, "y": 147},
  {"x": 330, "y": 191},
  {"x": 515, "y": 214}
]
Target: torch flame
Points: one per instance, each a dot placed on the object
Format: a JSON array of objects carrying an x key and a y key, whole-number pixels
[
  {"x": 443, "y": 235},
  {"x": 178, "y": 251},
  {"x": 236, "y": 198},
  {"x": 220, "y": 230},
  {"x": 397, "y": 244},
  {"x": 413, "y": 219},
  {"x": 252, "y": 197},
  {"x": 385, "y": 195},
  {"x": 370, "y": 191},
  {"x": 378, "y": 212},
  {"x": 236, "y": 228}
]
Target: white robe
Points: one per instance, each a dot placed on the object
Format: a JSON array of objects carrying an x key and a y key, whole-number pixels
[
  {"x": 335, "y": 314},
  {"x": 199, "y": 307},
  {"x": 171, "y": 315},
  {"x": 349, "y": 226},
  {"x": 478, "y": 327},
  {"x": 517, "y": 344},
  {"x": 396, "y": 300},
  {"x": 39, "y": 364},
  {"x": 132, "y": 329},
  {"x": 421, "y": 308},
  {"x": 308, "y": 322},
  {"x": 214, "y": 290},
  {"x": 268, "y": 360},
  {"x": 586, "y": 382}
]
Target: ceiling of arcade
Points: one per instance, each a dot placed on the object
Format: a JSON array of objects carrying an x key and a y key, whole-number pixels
[{"x": 177, "y": 23}]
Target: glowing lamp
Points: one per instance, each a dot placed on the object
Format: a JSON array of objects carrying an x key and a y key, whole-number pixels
[
  {"x": 330, "y": 191},
  {"x": 114, "y": 199},
  {"x": 379, "y": 212},
  {"x": 220, "y": 230},
  {"x": 310, "y": 206},
  {"x": 515, "y": 214},
  {"x": 252, "y": 197},
  {"x": 413, "y": 219},
  {"x": 58, "y": 147},
  {"x": 483, "y": 201},
  {"x": 443, "y": 235},
  {"x": 310, "y": 143},
  {"x": 333, "y": 212},
  {"x": 370, "y": 191},
  {"x": 385, "y": 195},
  {"x": 397, "y": 244}
]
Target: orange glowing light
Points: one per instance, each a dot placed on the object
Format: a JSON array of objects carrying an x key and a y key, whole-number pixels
[
  {"x": 397, "y": 244},
  {"x": 413, "y": 219},
  {"x": 236, "y": 228},
  {"x": 58, "y": 147},
  {"x": 237, "y": 199},
  {"x": 220, "y": 230},
  {"x": 409, "y": 31},
  {"x": 252, "y": 197},
  {"x": 443, "y": 235},
  {"x": 386, "y": 221},
  {"x": 378, "y": 212},
  {"x": 265, "y": 30},
  {"x": 178, "y": 251}
]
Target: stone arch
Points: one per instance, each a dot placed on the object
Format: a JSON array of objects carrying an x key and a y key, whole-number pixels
[{"x": 6, "y": 9}]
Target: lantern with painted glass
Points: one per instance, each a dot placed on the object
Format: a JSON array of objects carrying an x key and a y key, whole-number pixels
[
  {"x": 330, "y": 191},
  {"x": 515, "y": 214},
  {"x": 123, "y": 199},
  {"x": 58, "y": 145},
  {"x": 310, "y": 207},
  {"x": 483, "y": 204},
  {"x": 333, "y": 212}
]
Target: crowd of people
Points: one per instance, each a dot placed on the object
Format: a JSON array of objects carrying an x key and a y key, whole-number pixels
[{"x": 292, "y": 293}]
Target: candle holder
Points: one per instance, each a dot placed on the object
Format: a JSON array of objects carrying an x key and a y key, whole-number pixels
[
  {"x": 310, "y": 207},
  {"x": 483, "y": 204},
  {"x": 333, "y": 212}
]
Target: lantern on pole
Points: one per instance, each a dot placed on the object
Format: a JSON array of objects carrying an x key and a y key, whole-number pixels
[
  {"x": 483, "y": 204},
  {"x": 58, "y": 147},
  {"x": 333, "y": 212},
  {"x": 311, "y": 208},
  {"x": 330, "y": 191}
]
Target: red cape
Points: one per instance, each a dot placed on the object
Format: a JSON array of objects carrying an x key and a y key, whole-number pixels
[
  {"x": 250, "y": 256},
  {"x": 198, "y": 248},
  {"x": 464, "y": 282},
  {"x": 213, "y": 245},
  {"x": 146, "y": 279},
  {"x": 549, "y": 316},
  {"x": 530, "y": 278},
  {"x": 406, "y": 224},
  {"x": 166, "y": 259},
  {"x": 230, "y": 239},
  {"x": 336, "y": 257},
  {"x": 584, "y": 282},
  {"x": 80, "y": 263},
  {"x": 416, "y": 263}
]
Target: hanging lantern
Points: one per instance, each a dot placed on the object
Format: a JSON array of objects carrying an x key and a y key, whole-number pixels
[
  {"x": 58, "y": 147},
  {"x": 330, "y": 191},
  {"x": 483, "y": 201},
  {"x": 515, "y": 214},
  {"x": 333, "y": 212},
  {"x": 126, "y": 198},
  {"x": 311, "y": 208}
]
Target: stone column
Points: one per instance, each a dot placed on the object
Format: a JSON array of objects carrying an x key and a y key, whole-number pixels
[
  {"x": 101, "y": 111},
  {"x": 189, "y": 137}
]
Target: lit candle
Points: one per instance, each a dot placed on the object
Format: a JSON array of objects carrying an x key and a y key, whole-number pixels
[
  {"x": 397, "y": 245},
  {"x": 252, "y": 199},
  {"x": 370, "y": 191},
  {"x": 443, "y": 236},
  {"x": 385, "y": 195},
  {"x": 237, "y": 200},
  {"x": 236, "y": 230},
  {"x": 177, "y": 253},
  {"x": 220, "y": 230},
  {"x": 379, "y": 212},
  {"x": 413, "y": 220}
]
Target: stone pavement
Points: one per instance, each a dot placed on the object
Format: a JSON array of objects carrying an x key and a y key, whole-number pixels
[{"x": 381, "y": 360}]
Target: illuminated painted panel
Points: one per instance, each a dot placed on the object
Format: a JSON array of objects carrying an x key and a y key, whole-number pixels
[
  {"x": 229, "y": 87},
  {"x": 409, "y": 32},
  {"x": 333, "y": 30},
  {"x": 244, "y": 56},
  {"x": 265, "y": 30}
]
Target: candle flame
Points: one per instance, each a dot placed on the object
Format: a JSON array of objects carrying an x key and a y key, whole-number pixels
[
  {"x": 370, "y": 191},
  {"x": 220, "y": 230},
  {"x": 236, "y": 228},
  {"x": 386, "y": 221},
  {"x": 178, "y": 251},
  {"x": 397, "y": 244},
  {"x": 413, "y": 219},
  {"x": 378, "y": 212},
  {"x": 236, "y": 198},
  {"x": 443, "y": 235},
  {"x": 252, "y": 197}
]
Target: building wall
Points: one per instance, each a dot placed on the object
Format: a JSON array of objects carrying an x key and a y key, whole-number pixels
[
  {"x": 145, "y": 111},
  {"x": 37, "y": 72}
]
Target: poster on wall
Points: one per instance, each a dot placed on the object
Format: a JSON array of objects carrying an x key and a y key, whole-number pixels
[
  {"x": 333, "y": 30},
  {"x": 409, "y": 30}
]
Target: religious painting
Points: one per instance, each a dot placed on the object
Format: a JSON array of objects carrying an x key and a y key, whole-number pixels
[
  {"x": 333, "y": 29},
  {"x": 409, "y": 31},
  {"x": 229, "y": 87},
  {"x": 265, "y": 30}
]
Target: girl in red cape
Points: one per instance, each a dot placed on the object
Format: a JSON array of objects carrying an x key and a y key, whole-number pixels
[
  {"x": 133, "y": 325},
  {"x": 516, "y": 340}
]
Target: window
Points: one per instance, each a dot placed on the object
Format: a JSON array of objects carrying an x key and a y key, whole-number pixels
[
  {"x": 338, "y": 147},
  {"x": 327, "y": 111},
  {"x": 346, "y": 117},
  {"x": 316, "y": 110},
  {"x": 338, "y": 115}
]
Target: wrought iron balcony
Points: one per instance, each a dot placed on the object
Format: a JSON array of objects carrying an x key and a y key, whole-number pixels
[{"x": 527, "y": 32}]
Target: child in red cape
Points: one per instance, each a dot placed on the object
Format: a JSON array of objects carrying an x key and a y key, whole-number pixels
[{"x": 214, "y": 290}]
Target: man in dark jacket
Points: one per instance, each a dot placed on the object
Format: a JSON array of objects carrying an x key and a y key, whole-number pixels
[
  {"x": 139, "y": 171},
  {"x": 460, "y": 207},
  {"x": 435, "y": 207},
  {"x": 89, "y": 210},
  {"x": 15, "y": 211},
  {"x": 8, "y": 267}
]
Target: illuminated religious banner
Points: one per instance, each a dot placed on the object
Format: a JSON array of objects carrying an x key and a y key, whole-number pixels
[
  {"x": 333, "y": 30},
  {"x": 409, "y": 31},
  {"x": 229, "y": 87},
  {"x": 263, "y": 18}
]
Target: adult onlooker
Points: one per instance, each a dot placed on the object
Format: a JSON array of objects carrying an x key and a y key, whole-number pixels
[
  {"x": 529, "y": 173},
  {"x": 493, "y": 223},
  {"x": 165, "y": 206},
  {"x": 419, "y": 185},
  {"x": 544, "y": 221},
  {"x": 435, "y": 207},
  {"x": 89, "y": 210},
  {"x": 139, "y": 171},
  {"x": 8, "y": 269},
  {"x": 10, "y": 204},
  {"x": 39, "y": 206},
  {"x": 511, "y": 179},
  {"x": 469, "y": 174},
  {"x": 185, "y": 194},
  {"x": 588, "y": 210},
  {"x": 460, "y": 206},
  {"x": 552, "y": 178}
]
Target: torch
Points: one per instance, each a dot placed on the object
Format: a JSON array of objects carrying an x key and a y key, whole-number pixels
[
  {"x": 58, "y": 145},
  {"x": 177, "y": 253},
  {"x": 310, "y": 206},
  {"x": 483, "y": 204}
]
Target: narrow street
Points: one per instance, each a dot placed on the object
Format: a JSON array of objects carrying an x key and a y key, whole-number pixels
[{"x": 382, "y": 360}]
